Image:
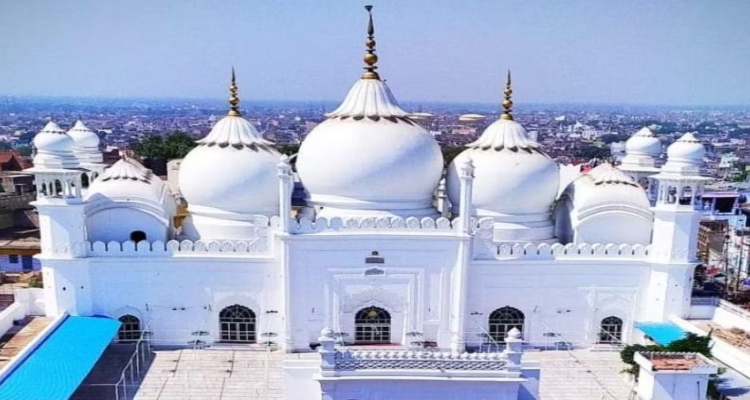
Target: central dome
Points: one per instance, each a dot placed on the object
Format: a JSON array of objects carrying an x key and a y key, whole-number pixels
[{"x": 369, "y": 157}]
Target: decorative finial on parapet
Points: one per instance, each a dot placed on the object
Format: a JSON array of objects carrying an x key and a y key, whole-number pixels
[
  {"x": 467, "y": 169},
  {"x": 234, "y": 100},
  {"x": 284, "y": 167},
  {"x": 507, "y": 103},
  {"x": 370, "y": 57}
]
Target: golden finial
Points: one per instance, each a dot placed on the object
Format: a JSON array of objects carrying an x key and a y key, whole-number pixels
[
  {"x": 507, "y": 103},
  {"x": 234, "y": 101},
  {"x": 370, "y": 58}
]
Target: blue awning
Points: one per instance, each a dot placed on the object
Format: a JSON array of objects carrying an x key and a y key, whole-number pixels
[
  {"x": 61, "y": 362},
  {"x": 663, "y": 333}
]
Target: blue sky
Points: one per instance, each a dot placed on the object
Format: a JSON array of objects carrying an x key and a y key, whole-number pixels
[{"x": 594, "y": 51}]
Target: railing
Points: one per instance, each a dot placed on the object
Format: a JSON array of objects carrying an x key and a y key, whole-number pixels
[
  {"x": 734, "y": 309},
  {"x": 359, "y": 360},
  {"x": 705, "y": 301},
  {"x": 135, "y": 368}
]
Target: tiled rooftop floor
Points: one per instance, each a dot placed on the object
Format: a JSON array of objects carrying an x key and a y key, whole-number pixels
[
  {"x": 19, "y": 337},
  {"x": 228, "y": 374}
]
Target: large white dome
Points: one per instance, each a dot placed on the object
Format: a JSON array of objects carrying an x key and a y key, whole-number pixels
[
  {"x": 233, "y": 170},
  {"x": 512, "y": 175},
  {"x": 370, "y": 158}
]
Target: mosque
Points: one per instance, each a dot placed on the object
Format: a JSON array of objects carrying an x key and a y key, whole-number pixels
[{"x": 389, "y": 248}]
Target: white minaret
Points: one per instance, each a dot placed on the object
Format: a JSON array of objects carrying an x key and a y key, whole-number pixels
[
  {"x": 62, "y": 225},
  {"x": 675, "y": 236}
]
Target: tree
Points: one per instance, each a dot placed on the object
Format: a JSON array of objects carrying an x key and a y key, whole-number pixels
[
  {"x": 450, "y": 152},
  {"x": 172, "y": 146}
]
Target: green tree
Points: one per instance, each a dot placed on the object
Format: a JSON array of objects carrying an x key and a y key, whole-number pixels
[
  {"x": 172, "y": 146},
  {"x": 450, "y": 152}
]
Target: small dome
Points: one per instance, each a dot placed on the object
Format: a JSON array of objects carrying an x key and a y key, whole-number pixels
[
  {"x": 641, "y": 152},
  {"x": 128, "y": 180},
  {"x": 685, "y": 155},
  {"x": 233, "y": 170},
  {"x": 370, "y": 157},
  {"x": 52, "y": 139},
  {"x": 512, "y": 175},
  {"x": 83, "y": 137},
  {"x": 643, "y": 143},
  {"x": 601, "y": 198},
  {"x": 129, "y": 202},
  {"x": 54, "y": 148}
]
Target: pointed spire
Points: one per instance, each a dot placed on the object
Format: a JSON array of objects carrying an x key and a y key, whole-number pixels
[
  {"x": 370, "y": 58},
  {"x": 507, "y": 103},
  {"x": 234, "y": 101}
]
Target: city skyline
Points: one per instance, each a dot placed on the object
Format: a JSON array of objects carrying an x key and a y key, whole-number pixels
[{"x": 579, "y": 52}]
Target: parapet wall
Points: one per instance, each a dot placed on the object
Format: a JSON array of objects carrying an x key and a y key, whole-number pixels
[
  {"x": 258, "y": 246},
  {"x": 389, "y": 360},
  {"x": 306, "y": 225}
]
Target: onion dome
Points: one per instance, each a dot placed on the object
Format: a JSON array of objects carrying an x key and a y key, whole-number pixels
[
  {"x": 231, "y": 174},
  {"x": 685, "y": 155},
  {"x": 54, "y": 148},
  {"x": 86, "y": 143},
  {"x": 514, "y": 180},
  {"x": 369, "y": 157},
  {"x": 641, "y": 150},
  {"x": 600, "y": 199}
]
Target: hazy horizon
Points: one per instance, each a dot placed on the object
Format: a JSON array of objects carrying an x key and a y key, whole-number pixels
[{"x": 575, "y": 52}]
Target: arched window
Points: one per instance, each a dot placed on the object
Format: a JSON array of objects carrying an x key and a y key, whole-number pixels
[
  {"x": 503, "y": 320},
  {"x": 611, "y": 330},
  {"x": 372, "y": 325},
  {"x": 84, "y": 181},
  {"x": 130, "y": 330},
  {"x": 237, "y": 324},
  {"x": 138, "y": 236}
]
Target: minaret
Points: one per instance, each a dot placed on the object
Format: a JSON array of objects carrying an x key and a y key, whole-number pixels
[
  {"x": 62, "y": 224},
  {"x": 58, "y": 187},
  {"x": 674, "y": 240}
]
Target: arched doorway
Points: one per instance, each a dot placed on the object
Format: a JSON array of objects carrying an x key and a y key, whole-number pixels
[
  {"x": 130, "y": 330},
  {"x": 372, "y": 325},
  {"x": 611, "y": 330},
  {"x": 503, "y": 320},
  {"x": 237, "y": 324}
]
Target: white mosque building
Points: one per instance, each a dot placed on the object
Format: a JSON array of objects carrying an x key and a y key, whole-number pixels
[{"x": 370, "y": 260}]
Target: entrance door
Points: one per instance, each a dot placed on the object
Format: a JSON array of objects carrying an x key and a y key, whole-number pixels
[
  {"x": 372, "y": 326},
  {"x": 237, "y": 324}
]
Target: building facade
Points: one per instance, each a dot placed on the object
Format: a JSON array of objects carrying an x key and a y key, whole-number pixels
[{"x": 369, "y": 259}]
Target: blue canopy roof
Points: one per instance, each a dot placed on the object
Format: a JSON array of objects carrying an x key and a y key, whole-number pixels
[
  {"x": 61, "y": 362},
  {"x": 663, "y": 333}
]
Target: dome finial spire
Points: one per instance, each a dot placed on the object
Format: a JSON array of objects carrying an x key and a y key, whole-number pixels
[
  {"x": 234, "y": 101},
  {"x": 370, "y": 58},
  {"x": 507, "y": 103}
]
